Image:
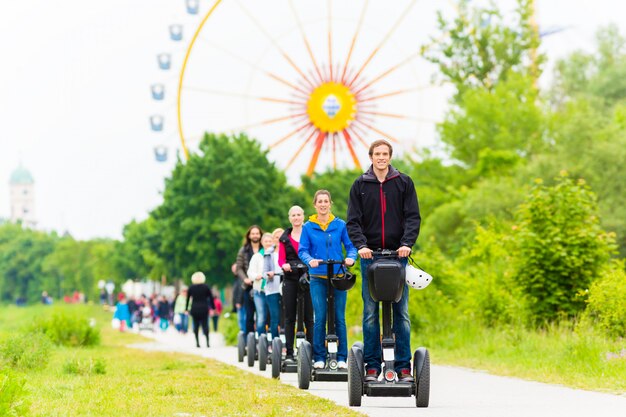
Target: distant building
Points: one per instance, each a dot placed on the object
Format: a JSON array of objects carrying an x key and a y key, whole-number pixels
[{"x": 22, "y": 190}]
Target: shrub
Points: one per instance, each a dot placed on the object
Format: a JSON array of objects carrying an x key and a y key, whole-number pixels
[
  {"x": 88, "y": 366},
  {"x": 561, "y": 247},
  {"x": 229, "y": 327},
  {"x": 606, "y": 308},
  {"x": 68, "y": 330},
  {"x": 26, "y": 350},
  {"x": 13, "y": 394}
]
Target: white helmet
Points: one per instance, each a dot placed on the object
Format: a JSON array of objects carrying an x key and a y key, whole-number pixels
[{"x": 417, "y": 278}]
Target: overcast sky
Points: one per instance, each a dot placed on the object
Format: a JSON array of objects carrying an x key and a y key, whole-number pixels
[{"x": 74, "y": 96}]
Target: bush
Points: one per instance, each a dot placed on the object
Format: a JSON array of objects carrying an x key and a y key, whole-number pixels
[
  {"x": 606, "y": 308},
  {"x": 89, "y": 366},
  {"x": 13, "y": 394},
  {"x": 562, "y": 247},
  {"x": 26, "y": 350},
  {"x": 229, "y": 327},
  {"x": 68, "y": 330}
]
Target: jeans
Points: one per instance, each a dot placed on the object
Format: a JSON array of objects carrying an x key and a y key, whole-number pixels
[
  {"x": 241, "y": 318},
  {"x": 259, "y": 305},
  {"x": 319, "y": 292},
  {"x": 272, "y": 305},
  {"x": 164, "y": 324},
  {"x": 184, "y": 323},
  {"x": 371, "y": 326}
]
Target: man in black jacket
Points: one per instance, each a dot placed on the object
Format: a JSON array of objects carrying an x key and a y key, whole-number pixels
[{"x": 383, "y": 213}]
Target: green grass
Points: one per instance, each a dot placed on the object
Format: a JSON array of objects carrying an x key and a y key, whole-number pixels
[
  {"x": 555, "y": 355},
  {"x": 137, "y": 383}
]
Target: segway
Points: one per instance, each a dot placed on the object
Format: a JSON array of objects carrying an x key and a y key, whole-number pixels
[
  {"x": 265, "y": 340},
  {"x": 386, "y": 282},
  {"x": 330, "y": 372},
  {"x": 278, "y": 360}
]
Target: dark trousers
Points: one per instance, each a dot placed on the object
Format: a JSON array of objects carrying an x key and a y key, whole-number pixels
[
  {"x": 198, "y": 321},
  {"x": 248, "y": 304},
  {"x": 291, "y": 289}
]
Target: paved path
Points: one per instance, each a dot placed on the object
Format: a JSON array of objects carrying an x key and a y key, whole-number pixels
[{"x": 453, "y": 391}]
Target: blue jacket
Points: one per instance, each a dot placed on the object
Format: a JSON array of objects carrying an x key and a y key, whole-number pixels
[{"x": 316, "y": 243}]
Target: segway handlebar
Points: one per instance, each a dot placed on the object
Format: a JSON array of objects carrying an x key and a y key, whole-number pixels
[
  {"x": 387, "y": 253},
  {"x": 332, "y": 262}
]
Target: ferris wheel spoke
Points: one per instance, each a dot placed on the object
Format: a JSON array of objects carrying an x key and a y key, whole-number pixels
[
  {"x": 389, "y": 71},
  {"x": 300, "y": 149},
  {"x": 290, "y": 134},
  {"x": 398, "y": 116},
  {"x": 353, "y": 129},
  {"x": 306, "y": 41},
  {"x": 348, "y": 140},
  {"x": 380, "y": 132},
  {"x": 244, "y": 96},
  {"x": 256, "y": 67},
  {"x": 334, "y": 145},
  {"x": 276, "y": 45},
  {"x": 319, "y": 142},
  {"x": 384, "y": 41},
  {"x": 268, "y": 122},
  {"x": 354, "y": 38},
  {"x": 330, "y": 42},
  {"x": 394, "y": 93}
]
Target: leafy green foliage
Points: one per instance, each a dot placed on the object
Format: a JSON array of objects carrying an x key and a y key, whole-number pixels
[
  {"x": 13, "y": 394},
  {"x": 338, "y": 182},
  {"x": 27, "y": 350},
  {"x": 89, "y": 366},
  {"x": 67, "y": 329},
  {"x": 480, "y": 48},
  {"x": 210, "y": 201},
  {"x": 561, "y": 247},
  {"x": 606, "y": 306}
]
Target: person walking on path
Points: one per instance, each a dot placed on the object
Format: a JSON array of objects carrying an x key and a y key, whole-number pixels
[
  {"x": 201, "y": 298},
  {"x": 252, "y": 244},
  {"x": 322, "y": 238},
  {"x": 122, "y": 312},
  {"x": 215, "y": 314},
  {"x": 288, "y": 255},
  {"x": 163, "y": 312},
  {"x": 181, "y": 320},
  {"x": 383, "y": 213}
]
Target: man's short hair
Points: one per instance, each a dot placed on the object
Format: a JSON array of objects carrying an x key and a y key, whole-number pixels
[{"x": 380, "y": 142}]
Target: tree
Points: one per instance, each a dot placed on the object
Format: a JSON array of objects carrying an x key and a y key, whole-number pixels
[
  {"x": 480, "y": 49},
  {"x": 561, "y": 247},
  {"x": 211, "y": 200}
]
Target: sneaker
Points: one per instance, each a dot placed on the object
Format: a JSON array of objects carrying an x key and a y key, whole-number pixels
[
  {"x": 319, "y": 365},
  {"x": 405, "y": 376},
  {"x": 342, "y": 365},
  {"x": 371, "y": 375}
]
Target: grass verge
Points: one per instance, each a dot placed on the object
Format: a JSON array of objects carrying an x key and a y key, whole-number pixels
[{"x": 111, "y": 380}]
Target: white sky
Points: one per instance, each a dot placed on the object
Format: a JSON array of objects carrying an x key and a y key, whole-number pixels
[{"x": 74, "y": 93}]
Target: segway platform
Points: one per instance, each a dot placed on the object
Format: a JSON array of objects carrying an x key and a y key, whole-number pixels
[
  {"x": 325, "y": 374},
  {"x": 386, "y": 389}
]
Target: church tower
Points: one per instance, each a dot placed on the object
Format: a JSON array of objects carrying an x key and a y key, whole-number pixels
[{"x": 22, "y": 189}]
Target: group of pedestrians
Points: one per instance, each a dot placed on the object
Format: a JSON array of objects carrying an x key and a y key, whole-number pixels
[{"x": 383, "y": 213}]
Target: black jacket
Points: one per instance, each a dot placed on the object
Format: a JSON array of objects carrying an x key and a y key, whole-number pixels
[
  {"x": 383, "y": 215},
  {"x": 201, "y": 300}
]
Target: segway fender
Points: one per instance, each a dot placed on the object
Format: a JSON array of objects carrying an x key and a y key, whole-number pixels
[
  {"x": 357, "y": 350},
  {"x": 419, "y": 358}
]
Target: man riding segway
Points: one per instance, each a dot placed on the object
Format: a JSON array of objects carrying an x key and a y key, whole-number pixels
[{"x": 383, "y": 213}]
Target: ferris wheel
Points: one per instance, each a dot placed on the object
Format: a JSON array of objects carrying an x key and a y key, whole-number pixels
[{"x": 315, "y": 82}]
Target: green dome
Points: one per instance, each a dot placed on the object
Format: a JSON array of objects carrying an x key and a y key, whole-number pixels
[{"x": 21, "y": 176}]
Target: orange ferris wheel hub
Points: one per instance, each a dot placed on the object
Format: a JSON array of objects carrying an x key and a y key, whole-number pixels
[{"x": 331, "y": 107}]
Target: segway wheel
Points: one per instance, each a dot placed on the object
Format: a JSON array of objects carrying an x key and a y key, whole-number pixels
[
  {"x": 421, "y": 373},
  {"x": 262, "y": 352},
  {"x": 276, "y": 357},
  {"x": 251, "y": 349},
  {"x": 355, "y": 381},
  {"x": 241, "y": 346},
  {"x": 304, "y": 366}
]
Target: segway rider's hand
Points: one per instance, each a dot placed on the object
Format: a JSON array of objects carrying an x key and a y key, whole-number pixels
[
  {"x": 286, "y": 267},
  {"x": 247, "y": 281},
  {"x": 349, "y": 261},
  {"x": 404, "y": 251},
  {"x": 365, "y": 253},
  {"x": 270, "y": 275},
  {"x": 314, "y": 263}
]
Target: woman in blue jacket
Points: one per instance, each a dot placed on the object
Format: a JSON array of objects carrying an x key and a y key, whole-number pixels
[{"x": 322, "y": 238}]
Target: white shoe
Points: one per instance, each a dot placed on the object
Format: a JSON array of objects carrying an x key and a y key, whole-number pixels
[
  {"x": 319, "y": 365},
  {"x": 342, "y": 365}
]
